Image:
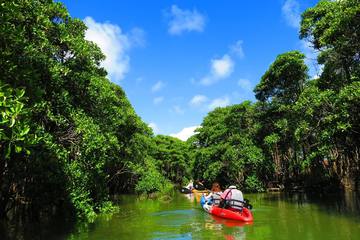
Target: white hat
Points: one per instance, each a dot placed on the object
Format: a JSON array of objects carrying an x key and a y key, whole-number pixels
[{"x": 232, "y": 187}]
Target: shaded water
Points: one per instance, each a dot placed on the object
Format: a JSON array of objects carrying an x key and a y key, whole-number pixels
[{"x": 277, "y": 216}]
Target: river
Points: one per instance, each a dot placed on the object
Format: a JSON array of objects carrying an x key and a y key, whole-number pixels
[{"x": 276, "y": 216}]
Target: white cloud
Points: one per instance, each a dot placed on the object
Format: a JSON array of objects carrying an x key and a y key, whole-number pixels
[
  {"x": 154, "y": 127},
  {"x": 238, "y": 49},
  {"x": 198, "y": 100},
  {"x": 245, "y": 84},
  {"x": 158, "y": 100},
  {"x": 185, "y": 20},
  {"x": 157, "y": 86},
  {"x": 291, "y": 12},
  {"x": 220, "y": 68},
  {"x": 185, "y": 133},
  {"x": 114, "y": 44},
  {"x": 219, "y": 102}
]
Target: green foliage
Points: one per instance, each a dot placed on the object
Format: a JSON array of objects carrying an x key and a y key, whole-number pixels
[
  {"x": 333, "y": 28},
  {"x": 252, "y": 184},
  {"x": 172, "y": 158},
  {"x": 224, "y": 149},
  {"x": 284, "y": 80},
  {"x": 152, "y": 180},
  {"x": 300, "y": 130},
  {"x": 68, "y": 136},
  {"x": 14, "y": 122},
  {"x": 271, "y": 139}
]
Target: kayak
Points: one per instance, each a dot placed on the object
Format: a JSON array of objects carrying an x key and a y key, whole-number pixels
[
  {"x": 200, "y": 191},
  {"x": 244, "y": 215},
  {"x": 230, "y": 222}
]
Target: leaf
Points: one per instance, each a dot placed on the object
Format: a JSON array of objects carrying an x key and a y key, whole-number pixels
[
  {"x": 25, "y": 131},
  {"x": 18, "y": 149},
  {"x": 12, "y": 122}
]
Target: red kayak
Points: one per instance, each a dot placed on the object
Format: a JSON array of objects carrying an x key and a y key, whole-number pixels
[{"x": 245, "y": 215}]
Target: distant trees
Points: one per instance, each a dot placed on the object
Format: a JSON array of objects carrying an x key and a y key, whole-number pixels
[
  {"x": 225, "y": 150},
  {"x": 173, "y": 158}
]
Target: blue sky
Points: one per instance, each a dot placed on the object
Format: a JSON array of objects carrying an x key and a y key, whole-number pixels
[{"x": 178, "y": 60}]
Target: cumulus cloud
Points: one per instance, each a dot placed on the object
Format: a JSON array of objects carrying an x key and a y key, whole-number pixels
[
  {"x": 115, "y": 44},
  {"x": 154, "y": 127},
  {"x": 237, "y": 49},
  {"x": 181, "y": 20},
  {"x": 198, "y": 100},
  {"x": 219, "y": 102},
  {"x": 158, "y": 100},
  {"x": 157, "y": 86},
  {"x": 291, "y": 12},
  {"x": 185, "y": 133},
  {"x": 220, "y": 68}
]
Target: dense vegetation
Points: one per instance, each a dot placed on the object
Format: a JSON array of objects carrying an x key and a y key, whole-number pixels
[
  {"x": 302, "y": 131},
  {"x": 69, "y": 138}
]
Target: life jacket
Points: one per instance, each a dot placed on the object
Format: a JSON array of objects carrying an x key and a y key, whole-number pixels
[
  {"x": 234, "y": 198},
  {"x": 216, "y": 197}
]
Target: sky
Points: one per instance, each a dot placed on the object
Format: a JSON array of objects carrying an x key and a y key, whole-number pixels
[{"x": 177, "y": 60}]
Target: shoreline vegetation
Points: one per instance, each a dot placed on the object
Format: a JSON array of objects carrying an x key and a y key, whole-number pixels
[{"x": 69, "y": 138}]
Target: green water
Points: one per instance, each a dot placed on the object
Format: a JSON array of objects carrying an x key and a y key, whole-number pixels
[{"x": 277, "y": 216}]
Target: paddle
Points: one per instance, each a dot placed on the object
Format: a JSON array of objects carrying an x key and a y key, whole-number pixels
[
  {"x": 185, "y": 190},
  {"x": 247, "y": 204},
  {"x": 199, "y": 187}
]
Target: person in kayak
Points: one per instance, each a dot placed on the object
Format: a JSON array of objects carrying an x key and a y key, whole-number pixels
[
  {"x": 215, "y": 194},
  {"x": 232, "y": 198},
  {"x": 190, "y": 186}
]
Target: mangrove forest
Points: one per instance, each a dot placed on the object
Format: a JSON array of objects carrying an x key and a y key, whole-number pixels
[{"x": 71, "y": 141}]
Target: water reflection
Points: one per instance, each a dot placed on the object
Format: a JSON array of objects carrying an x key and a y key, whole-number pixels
[
  {"x": 341, "y": 203},
  {"x": 230, "y": 229},
  {"x": 190, "y": 197},
  {"x": 277, "y": 216}
]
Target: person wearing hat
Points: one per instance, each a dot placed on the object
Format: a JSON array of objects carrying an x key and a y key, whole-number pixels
[{"x": 232, "y": 198}]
